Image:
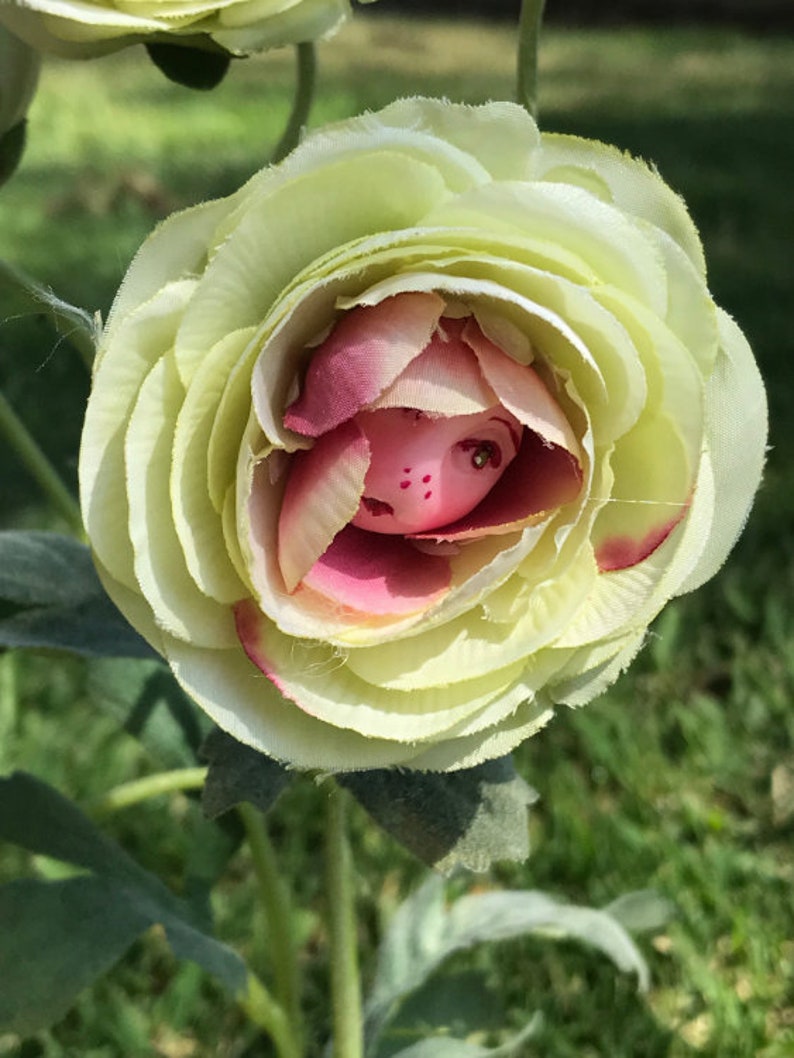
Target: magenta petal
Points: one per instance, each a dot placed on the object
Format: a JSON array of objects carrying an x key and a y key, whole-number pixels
[
  {"x": 323, "y": 492},
  {"x": 364, "y": 353},
  {"x": 248, "y": 620},
  {"x": 541, "y": 478},
  {"x": 376, "y": 574},
  {"x": 621, "y": 552}
]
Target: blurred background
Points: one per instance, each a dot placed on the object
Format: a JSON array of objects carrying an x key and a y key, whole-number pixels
[
  {"x": 756, "y": 14},
  {"x": 682, "y": 776}
]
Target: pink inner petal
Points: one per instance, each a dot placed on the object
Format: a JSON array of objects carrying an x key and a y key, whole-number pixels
[
  {"x": 323, "y": 492},
  {"x": 378, "y": 574},
  {"x": 541, "y": 478},
  {"x": 521, "y": 390},
  {"x": 445, "y": 379},
  {"x": 364, "y": 353}
]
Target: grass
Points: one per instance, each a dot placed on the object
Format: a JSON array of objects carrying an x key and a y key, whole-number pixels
[{"x": 678, "y": 777}]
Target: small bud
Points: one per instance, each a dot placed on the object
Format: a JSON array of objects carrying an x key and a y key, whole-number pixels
[{"x": 19, "y": 74}]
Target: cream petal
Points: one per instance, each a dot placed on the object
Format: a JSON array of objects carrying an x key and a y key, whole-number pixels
[
  {"x": 633, "y": 185},
  {"x": 736, "y": 428},
  {"x": 180, "y": 608},
  {"x": 323, "y": 490},
  {"x": 315, "y": 677},
  {"x": 197, "y": 522},
  {"x": 145, "y": 335}
]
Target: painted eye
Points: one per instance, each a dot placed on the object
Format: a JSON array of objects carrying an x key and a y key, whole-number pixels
[{"x": 482, "y": 453}]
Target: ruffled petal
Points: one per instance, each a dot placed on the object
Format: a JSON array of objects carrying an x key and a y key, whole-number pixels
[
  {"x": 521, "y": 391},
  {"x": 179, "y": 606},
  {"x": 316, "y": 678},
  {"x": 444, "y": 379},
  {"x": 323, "y": 491},
  {"x": 736, "y": 427},
  {"x": 365, "y": 352},
  {"x": 653, "y": 483}
]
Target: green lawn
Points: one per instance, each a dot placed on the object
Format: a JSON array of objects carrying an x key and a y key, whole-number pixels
[{"x": 681, "y": 777}]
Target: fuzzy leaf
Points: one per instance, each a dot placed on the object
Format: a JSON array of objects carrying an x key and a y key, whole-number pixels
[
  {"x": 37, "y": 818},
  {"x": 150, "y": 705},
  {"x": 642, "y": 911},
  {"x": 57, "y": 938},
  {"x": 23, "y": 294},
  {"x": 447, "y": 1047},
  {"x": 424, "y": 932},
  {"x": 57, "y": 601},
  {"x": 457, "y": 1003},
  {"x": 468, "y": 818},
  {"x": 238, "y": 773}
]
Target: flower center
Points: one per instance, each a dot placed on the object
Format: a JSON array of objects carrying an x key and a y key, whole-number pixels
[{"x": 428, "y": 471}]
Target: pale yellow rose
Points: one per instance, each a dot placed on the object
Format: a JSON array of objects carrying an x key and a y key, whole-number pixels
[
  {"x": 85, "y": 28},
  {"x": 411, "y": 438}
]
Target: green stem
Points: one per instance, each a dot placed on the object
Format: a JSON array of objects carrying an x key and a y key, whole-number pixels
[
  {"x": 348, "y": 1039},
  {"x": 163, "y": 782},
  {"x": 529, "y": 24},
  {"x": 39, "y": 466},
  {"x": 9, "y": 706},
  {"x": 275, "y": 901},
  {"x": 282, "y": 1025},
  {"x": 268, "y": 1015},
  {"x": 75, "y": 325},
  {"x": 306, "y": 64}
]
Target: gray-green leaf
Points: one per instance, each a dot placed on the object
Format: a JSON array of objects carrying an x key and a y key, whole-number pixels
[
  {"x": 145, "y": 699},
  {"x": 424, "y": 932},
  {"x": 36, "y": 817},
  {"x": 57, "y": 600},
  {"x": 238, "y": 773},
  {"x": 447, "y": 1047},
  {"x": 469, "y": 818}
]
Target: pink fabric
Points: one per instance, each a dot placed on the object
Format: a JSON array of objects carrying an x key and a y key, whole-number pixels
[
  {"x": 365, "y": 352},
  {"x": 520, "y": 388},
  {"x": 365, "y": 507},
  {"x": 444, "y": 376},
  {"x": 377, "y": 574}
]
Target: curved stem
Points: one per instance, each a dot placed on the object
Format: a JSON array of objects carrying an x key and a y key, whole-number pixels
[
  {"x": 348, "y": 1039},
  {"x": 529, "y": 24},
  {"x": 132, "y": 793},
  {"x": 268, "y": 1015},
  {"x": 275, "y": 901},
  {"x": 38, "y": 465},
  {"x": 306, "y": 63},
  {"x": 73, "y": 324}
]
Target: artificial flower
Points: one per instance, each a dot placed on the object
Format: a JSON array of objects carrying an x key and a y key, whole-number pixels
[{"x": 410, "y": 439}]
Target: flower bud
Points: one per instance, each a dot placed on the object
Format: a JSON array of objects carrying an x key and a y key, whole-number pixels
[{"x": 19, "y": 74}]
